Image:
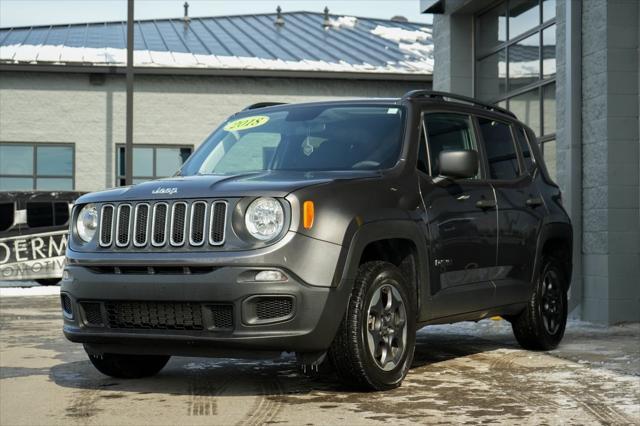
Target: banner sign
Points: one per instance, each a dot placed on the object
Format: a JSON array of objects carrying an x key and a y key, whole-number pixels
[{"x": 33, "y": 256}]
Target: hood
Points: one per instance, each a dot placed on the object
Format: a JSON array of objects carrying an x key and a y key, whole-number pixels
[{"x": 267, "y": 184}]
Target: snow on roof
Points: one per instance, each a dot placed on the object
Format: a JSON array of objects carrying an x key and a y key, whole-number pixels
[
  {"x": 249, "y": 42},
  {"x": 344, "y": 21}
]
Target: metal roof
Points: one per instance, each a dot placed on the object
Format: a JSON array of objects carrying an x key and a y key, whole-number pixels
[{"x": 246, "y": 42}]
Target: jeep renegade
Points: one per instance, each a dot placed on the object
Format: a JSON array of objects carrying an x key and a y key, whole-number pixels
[{"x": 331, "y": 229}]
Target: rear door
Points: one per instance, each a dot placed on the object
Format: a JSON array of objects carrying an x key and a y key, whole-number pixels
[
  {"x": 461, "y": 219},
  {"x": 520, "y": 206}
]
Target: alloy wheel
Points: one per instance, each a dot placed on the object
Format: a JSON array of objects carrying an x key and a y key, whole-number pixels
[
  {"x": 551, "y": 305},
  {"x": 386, "y": 327}
]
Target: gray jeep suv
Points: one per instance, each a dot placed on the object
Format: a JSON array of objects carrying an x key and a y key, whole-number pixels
[{"x": 334, "y": 230}]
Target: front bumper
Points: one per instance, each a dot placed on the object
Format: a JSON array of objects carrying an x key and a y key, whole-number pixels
[{"x": 155, "y": 308}]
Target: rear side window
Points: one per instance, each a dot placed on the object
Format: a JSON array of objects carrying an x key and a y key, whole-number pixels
[
  {"x": 500, "y": 148},
  {"x": 448, "y": 132},
  {"x": 521, "y": 137}
]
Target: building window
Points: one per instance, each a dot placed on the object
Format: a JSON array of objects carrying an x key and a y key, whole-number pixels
[
  {"x": 36, "y": 166},
  {"x": 152, "y": 162},
  {"x": 515, "y": 65}
]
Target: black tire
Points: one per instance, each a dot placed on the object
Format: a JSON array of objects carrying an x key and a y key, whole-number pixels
[
  {"x": 542, "y": 324},
  {"x": 129, "y": 366},
  {"x": 350, "y": 351},
  {"x": 48, "y": 281}
]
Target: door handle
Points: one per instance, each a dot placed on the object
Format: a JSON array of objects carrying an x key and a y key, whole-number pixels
[
  {"x": 534, "y": 202},
  {"x": 485, "y": 204}
]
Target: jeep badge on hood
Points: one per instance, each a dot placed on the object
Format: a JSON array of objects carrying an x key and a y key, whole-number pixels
[{"x": 167, "y": 191}]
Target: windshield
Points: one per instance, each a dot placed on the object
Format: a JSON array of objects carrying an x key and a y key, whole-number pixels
[{"x": 304, "y": 138}]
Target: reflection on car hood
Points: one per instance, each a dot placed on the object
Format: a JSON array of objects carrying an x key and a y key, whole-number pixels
[{"x": 269, "y": 184}]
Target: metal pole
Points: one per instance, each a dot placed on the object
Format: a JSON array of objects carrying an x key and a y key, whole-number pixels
[{"x": 128, "y": 148}]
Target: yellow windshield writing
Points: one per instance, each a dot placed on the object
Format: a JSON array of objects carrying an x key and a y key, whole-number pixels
[{"x": 246, "y": 123}]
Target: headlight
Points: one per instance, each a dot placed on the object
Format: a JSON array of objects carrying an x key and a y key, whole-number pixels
[
  {"x": 264, "y": 218},
  {"x": 87, "y": 222}
]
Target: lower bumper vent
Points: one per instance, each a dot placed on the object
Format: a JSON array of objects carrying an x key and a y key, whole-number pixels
[
  {"x": 273, "y": 307},
  {"x": 92, "y": 313},
  {"x": 65, "y": 301},
  {"x": 268, "y": 309},
  {"x": 222, "y": 316}
]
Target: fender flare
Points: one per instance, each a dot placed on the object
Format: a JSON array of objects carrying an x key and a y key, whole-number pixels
[
  {"x": 549, "y": 231},
  {"x": 353, "y": 249}
]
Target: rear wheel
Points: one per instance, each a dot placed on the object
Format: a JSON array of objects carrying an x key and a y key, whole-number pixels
[
  {"x": 542, "y": 324},
  {"x": 374, "y": 346},
  {"x": 129, "y": 366}
]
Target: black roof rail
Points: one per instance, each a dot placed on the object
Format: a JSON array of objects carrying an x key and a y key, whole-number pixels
[
  {"x": 466, "y": 99},
  {"x": 263, "y": 105}
]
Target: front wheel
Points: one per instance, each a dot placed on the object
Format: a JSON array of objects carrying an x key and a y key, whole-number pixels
[
  {"x": 541, "y": 325},
  {"x": 374, "y": 346},
  {"x": 129, "y": 366}
]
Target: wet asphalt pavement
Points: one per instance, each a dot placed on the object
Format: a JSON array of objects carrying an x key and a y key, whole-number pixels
[{"x": 467, "y": 373}]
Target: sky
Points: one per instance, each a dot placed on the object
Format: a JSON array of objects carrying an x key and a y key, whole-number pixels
[{"x": 15, "y": 13}]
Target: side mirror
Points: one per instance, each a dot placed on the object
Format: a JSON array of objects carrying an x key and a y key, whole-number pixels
[{"x": 461, "y": 164}]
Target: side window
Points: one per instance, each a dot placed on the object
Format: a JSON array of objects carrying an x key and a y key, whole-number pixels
[
  {"x": 448, "y": 132},
  {"x": 423, "y": 158},
  {"x": 500, "y": 148},
  {"x": 521, "y": 137}
]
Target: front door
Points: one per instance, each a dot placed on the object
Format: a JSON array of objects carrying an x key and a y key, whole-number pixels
[{"x": 462, "y": 222}]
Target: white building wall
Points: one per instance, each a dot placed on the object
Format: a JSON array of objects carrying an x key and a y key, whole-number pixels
[{"x": 178, "y": 110}]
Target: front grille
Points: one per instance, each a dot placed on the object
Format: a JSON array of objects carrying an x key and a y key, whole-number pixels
[
  {"x": 273, "y": 307},
  {"x": 122, "y": 225},
  {"x": 217, "y": 226},
  {"x": 140, "y": 225},
  {"x": 106, "y": 225},
  {"x": 198, "y": 222},
  {"x": 155, "y": 315},
  {"x": 159, "y": 229},
  {"x": 178, "y": 223},
  {"x": 160, "y": 224}
]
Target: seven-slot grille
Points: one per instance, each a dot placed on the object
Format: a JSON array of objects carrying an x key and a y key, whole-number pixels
[{"x": 161, "y": 224}]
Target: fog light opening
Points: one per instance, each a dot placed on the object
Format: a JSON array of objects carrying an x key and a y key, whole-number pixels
[{"x": 270, "y": 275}]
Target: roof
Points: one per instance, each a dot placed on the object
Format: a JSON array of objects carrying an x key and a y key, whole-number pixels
[{"x": 243, "y": 42}]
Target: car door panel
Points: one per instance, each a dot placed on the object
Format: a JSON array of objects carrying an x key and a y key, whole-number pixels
[
  {"x": 519, "y": 212},
  {"x": 461, "y": 220},
  {"x": 463, "y": 244}
]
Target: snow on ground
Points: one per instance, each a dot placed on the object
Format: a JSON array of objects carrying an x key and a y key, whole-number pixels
[{"x": 29, "y": 291}]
